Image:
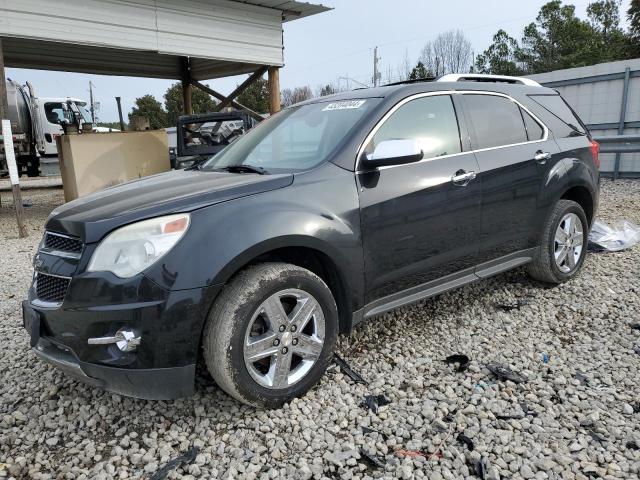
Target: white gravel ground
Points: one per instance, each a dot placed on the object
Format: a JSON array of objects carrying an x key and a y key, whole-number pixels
[{"x": 565, "y": 427}]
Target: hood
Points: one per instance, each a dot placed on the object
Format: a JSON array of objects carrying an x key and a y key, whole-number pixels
[{"x": 93, "y": 216}]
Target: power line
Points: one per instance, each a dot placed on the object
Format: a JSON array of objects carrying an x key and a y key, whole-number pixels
[{"x": 413, "y": 39}]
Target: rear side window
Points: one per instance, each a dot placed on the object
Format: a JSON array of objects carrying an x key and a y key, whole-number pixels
[
  {"x": 496, "y": 120},
  {"x": 534, "y": 129},
  {"x": 557, "y": 107},
  {"x": 430, "y": 120}
]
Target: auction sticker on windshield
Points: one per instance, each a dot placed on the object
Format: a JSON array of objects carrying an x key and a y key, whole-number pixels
[{"x": 344, "y": 105}]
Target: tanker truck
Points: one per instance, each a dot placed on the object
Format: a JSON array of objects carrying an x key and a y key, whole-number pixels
[
  {"x": 24, "y": 130},
  {"x": 35, "y": 124}
]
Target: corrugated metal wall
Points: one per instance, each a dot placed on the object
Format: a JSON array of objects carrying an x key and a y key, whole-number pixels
[
  {"x": 596, "y": 94},
  {"x": 216, "y": 29}
]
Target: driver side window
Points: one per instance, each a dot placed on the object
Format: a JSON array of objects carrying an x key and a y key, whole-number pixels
[
  {"x": 431, "y": 121},
  {"x": 54, "y": 112}
]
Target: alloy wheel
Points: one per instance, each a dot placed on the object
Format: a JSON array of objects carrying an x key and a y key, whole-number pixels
[
  {"x": 284, "y": 338},
  {"x": 568, "y": 242}
]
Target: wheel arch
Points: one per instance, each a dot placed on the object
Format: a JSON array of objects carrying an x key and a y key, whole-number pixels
[
  {"x": 304, "y": 252},
  {"x": 571, "y": 179},
  {"x": 583, "y": 197}
]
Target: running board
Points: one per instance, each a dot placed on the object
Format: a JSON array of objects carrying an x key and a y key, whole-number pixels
[{"x": 436, "y": 287}]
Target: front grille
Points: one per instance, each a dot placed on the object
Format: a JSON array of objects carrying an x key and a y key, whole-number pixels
[
  {"x": 62, "y": 243},
  {"x": 50, "y": 288}
]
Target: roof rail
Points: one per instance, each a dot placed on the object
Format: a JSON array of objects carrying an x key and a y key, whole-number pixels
[
  {"x": 407, "y": 82},
  {"x": 479, "y": 77}
]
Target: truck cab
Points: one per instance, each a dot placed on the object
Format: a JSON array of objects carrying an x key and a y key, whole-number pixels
[{"x": 54, "y": 112}]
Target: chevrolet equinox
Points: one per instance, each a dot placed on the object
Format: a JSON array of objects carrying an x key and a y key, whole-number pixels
[{"x": 330, "y": 212}]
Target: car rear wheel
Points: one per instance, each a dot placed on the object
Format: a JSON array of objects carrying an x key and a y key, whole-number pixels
[
  {"x": 564, "y": 244},
  {"x": 271, "y": 334}
]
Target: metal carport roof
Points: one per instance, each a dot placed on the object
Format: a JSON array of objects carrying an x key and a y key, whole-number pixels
[{"x": 147, "y": 38}]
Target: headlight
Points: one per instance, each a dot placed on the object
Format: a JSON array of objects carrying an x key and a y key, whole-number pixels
[{"x": 133, "y": 248}]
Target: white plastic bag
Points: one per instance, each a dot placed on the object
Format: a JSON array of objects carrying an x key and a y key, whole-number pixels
[{"x": 621, "y": 236}]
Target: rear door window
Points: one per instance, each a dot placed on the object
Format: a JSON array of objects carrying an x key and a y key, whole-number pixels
[
  {"x": 534, "y": 129},
  {"x": 431, "y": 121},
  {"x": 496, "y": 120},
  {"x": 557, "y": 107}
]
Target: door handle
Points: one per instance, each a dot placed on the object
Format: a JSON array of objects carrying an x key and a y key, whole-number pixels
[
  {"x": 541, "y": 157},
  {"x": 462, "y": 178}
]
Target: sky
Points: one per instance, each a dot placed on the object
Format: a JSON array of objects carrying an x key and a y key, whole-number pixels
[{"x": 329, "y": 47}]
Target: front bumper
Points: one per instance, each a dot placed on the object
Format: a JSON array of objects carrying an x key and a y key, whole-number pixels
[
  {"x": 169, "y": 322},
  {"x": 148, "y": 384}
]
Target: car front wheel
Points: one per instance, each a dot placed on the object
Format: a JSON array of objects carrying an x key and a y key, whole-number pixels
[{"x": 270, "y": 335}]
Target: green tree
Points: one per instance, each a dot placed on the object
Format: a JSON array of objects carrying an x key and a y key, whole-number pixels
[
  {"x": 147, "y": 106},
  {"x": 611, "y": 42},
  {"x": 501, "y": 58},
  {"x": 201, "y": 102},
  {"x": 256, "y": 96},
  {"x": 558, "y": 39},
  {"x": 328, "y": 89},
  {"x": 419, "y": 72},
  {"x": 633, "y": 14}
]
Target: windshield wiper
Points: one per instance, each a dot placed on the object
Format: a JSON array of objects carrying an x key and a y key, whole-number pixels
[
  {"x": 576, "y": 131},
  {"x": 244, "y": 169}
]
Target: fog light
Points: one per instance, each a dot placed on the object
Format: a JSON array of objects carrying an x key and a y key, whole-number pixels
[{"x": 125, "y": 340}]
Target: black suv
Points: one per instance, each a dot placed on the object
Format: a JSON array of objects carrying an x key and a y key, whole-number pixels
[{"x": 333, "y": 211}]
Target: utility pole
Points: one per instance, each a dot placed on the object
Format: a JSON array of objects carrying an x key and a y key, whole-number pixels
[
  {"x": 120, "y": 114},
  {"x": 376, "y": 74},
  {"x": 93, "y": 113}
]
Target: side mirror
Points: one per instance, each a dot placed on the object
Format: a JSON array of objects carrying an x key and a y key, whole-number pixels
[{"x": 393, "y": 152}]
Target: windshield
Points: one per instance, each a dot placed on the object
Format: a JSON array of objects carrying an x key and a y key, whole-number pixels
[
  {"x": 86, "y": 114},
  {"x": 296, "y": 139}
]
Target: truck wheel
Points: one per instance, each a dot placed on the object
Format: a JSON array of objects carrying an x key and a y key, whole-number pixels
[
  {"x": 33, "y": 167},
  {"x": 271, "y": 334},
  {"x": 564, "y": 244}
]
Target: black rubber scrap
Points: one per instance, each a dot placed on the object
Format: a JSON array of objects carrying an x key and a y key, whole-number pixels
[
  {"x": 597, "y": 437},
  {"x": 374, "y": 402},
  {"x": 505, "y": 373},
  {"x": 508, "y": 306},
  {"x": 367, "y": 430},
  {"x": 451, "y": 416},
  {"x": 632, "y": 445},
  {"x": 346, "y": 369},
  {"x": 370, "y": 459},
  {"x": 185, "y": 459},
  {"x": 634, "y": 326},
  {"x": 582, "y": 378},
  {"x": 462, "y": 438},
  {"x": 461, "y": 360},
  {"x": 510, "y": 416},
  {"x": 478, "y": 468}
]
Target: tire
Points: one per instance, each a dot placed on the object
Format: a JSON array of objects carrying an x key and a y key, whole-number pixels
[
  {"x": 247, "y": 310},
  {"x": 544, "y": 266},
  {"x": 33, "y": 170}
]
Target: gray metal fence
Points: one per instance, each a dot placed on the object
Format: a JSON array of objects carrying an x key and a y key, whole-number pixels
[{"x": 607, "y": 98}]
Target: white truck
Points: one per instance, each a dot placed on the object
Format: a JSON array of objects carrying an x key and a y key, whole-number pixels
[{"x": 35, "y": 124}]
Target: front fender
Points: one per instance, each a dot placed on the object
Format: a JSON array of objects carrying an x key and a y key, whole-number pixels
[{"x": 319, "y": 210}]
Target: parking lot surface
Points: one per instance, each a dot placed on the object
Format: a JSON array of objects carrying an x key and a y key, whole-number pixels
[{"x": 576, "y": 415}]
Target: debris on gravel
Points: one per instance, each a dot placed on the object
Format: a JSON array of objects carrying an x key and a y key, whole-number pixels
[{"x": 555, "y": 425}]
